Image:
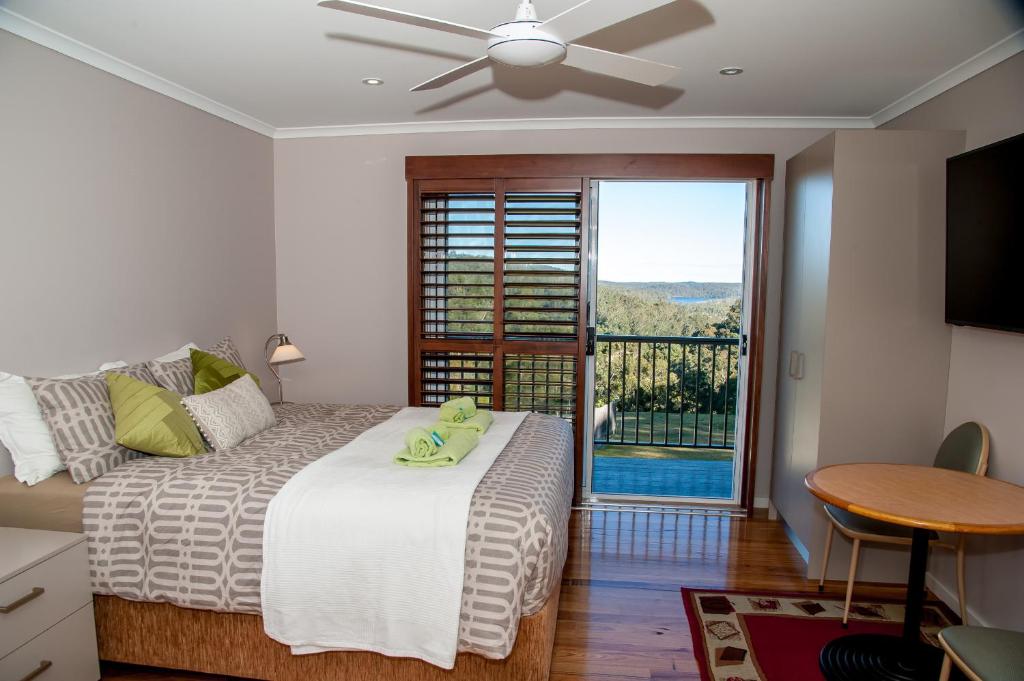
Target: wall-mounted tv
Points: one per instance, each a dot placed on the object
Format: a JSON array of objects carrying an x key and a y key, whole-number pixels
[{"x": 985, "y": 237}]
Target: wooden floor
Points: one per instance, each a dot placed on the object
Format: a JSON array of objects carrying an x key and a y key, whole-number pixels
[{"x": 621, "y": 616}]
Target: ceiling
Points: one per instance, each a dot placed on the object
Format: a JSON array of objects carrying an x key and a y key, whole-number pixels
[{"x": 292, "y": 64}]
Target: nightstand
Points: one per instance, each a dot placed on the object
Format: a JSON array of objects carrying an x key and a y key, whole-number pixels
[{"x": 47, "y": 632}]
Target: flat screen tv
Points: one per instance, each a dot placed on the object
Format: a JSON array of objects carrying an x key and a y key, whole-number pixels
[{"x": 985, "y": 237}]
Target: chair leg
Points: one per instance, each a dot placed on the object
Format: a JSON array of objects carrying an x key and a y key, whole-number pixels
[
  {"x": 824, "y": 559},
  {"x": 849, "y": 581},
  {"x": 947, "y": 667},
  {"x": 961, "y": 579}
]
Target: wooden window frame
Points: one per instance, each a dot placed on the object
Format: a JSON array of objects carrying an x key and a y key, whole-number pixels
[{"x": 499, "y": 172}]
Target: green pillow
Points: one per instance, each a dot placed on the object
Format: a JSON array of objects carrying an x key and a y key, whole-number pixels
[
  {"x": 211, "y": 372},
  {"x": 151, "y": 420}
]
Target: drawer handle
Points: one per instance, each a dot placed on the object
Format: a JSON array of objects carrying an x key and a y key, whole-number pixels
[
  {"x": 35, "y": 593},
  {"x": 43, "y": 666}
]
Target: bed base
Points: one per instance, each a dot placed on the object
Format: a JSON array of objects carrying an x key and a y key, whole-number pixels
[{"x": 164, "y": 635}]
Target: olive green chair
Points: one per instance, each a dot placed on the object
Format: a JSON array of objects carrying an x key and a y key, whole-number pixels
[
  {"x": 964, "y": 449},
  {"x": 983, "y": 654}
]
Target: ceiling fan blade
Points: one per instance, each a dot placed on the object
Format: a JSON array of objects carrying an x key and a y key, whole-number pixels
[
  {"x": 406, "y": 18},
  {"x": 453, "y": 75},
  {"x": 593, "y": 15},
  {"x": 619, "y": 65}
]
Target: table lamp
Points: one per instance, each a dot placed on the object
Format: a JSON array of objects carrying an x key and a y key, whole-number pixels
[{"x": 283, "y": 353}]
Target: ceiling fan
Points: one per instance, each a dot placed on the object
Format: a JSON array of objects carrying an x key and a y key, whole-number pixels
[{"x": 528, "y": 42}]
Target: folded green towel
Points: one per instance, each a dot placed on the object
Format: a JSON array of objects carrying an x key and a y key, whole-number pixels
[
  {"x": 458, "y": 410},
  {"x": 441, "y": 431},
  {"x": 461, "y": 443},
  {"x": 419, "y": 444},
  {"x": 479, "y": 423}
]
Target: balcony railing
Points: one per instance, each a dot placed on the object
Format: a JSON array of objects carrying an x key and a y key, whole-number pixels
[{"x": 666, "y": 391}]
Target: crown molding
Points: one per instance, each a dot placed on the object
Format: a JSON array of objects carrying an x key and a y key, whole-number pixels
[
  {"x": 58, "y": 42},
  {"x": 37, "y": 33},
  {"x": 597, "y": 123},
  {"x": 986, "y": 59}
]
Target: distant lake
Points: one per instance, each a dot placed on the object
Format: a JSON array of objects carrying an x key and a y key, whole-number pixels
[{"x": 688, "y": 301}]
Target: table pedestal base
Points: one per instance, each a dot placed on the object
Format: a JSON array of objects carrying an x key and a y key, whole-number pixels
[{"x": 876, "y": 657}]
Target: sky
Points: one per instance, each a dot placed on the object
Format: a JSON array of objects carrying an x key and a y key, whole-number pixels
[{"x": 671, "y": 231}]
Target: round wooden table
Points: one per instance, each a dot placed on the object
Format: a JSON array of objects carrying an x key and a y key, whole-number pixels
[{"x": 924, "y": 499}]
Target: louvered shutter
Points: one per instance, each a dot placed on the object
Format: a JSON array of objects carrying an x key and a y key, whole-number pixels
[{"x": 497, "y": 277}]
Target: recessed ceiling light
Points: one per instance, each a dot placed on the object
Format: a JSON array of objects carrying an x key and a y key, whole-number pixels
[
  {"x": 729, "y": 71},
  {"x": 372, "y": 81}
]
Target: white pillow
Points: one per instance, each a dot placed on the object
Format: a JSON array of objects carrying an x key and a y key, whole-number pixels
[
  {"x": 23, "y": 431},
  {"x": 180, "y": 353}
]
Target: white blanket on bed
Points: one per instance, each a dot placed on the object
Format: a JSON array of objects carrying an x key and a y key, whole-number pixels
[{"x": 362, "y": 554}]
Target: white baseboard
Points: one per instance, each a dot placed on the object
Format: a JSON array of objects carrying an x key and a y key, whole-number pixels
[
  {"x": 948, "y": 596},
  {"x": 761, "y": 502}
]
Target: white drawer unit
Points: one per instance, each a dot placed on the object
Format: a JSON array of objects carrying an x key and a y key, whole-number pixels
[
  {"x": 47, "y": 632},
  {"x": 64, "y": 652}
]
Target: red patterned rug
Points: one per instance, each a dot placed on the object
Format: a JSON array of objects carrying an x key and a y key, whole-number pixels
[{"x": 772, "y": 636}]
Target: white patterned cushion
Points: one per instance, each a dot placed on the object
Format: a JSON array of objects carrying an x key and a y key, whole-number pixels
[
  {"x": 231, "y": 414},
  {"x": 81, "y": 421},
  {"x": 176, "y": 375}
]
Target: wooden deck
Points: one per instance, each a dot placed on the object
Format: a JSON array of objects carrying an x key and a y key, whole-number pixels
[{"x": 662, "y": 477}]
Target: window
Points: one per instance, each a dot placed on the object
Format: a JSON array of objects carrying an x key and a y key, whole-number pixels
[{"x": 498, "y": 280}]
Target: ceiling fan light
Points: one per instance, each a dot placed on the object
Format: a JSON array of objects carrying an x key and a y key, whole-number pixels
[
  {"x": 523, "y": 44},
  {"x": 520, "y": 52}
]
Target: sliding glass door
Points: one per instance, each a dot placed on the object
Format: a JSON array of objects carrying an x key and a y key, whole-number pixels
[{"x": 669, "y": 269}]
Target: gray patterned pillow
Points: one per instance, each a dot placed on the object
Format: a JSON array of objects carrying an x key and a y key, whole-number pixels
[
  {"x": 226, "y": 350},
  {"x": 231, "y": 414},
  {"x": 177, "y": 375},
  {"x": 81, "y": 420}
]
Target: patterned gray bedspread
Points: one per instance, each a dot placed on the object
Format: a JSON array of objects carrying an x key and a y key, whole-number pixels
[{"x": 190, "y": 531}]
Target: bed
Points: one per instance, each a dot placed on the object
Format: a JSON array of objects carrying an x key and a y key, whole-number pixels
[
  {"x": 175, "y": 552},
  {"x": 53, "y": 504}
]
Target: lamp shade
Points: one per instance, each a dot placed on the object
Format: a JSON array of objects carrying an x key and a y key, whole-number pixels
[{"x": 285, "y": 354}]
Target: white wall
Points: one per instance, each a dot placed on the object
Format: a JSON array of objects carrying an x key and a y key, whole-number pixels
[
  {"x": 340, "y": 207},
  {"x": 131, "y": 222},
  {"x": 986, "y": 368}
]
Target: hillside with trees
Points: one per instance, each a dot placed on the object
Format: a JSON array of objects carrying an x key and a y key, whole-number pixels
[
  {"x": 648, "y": 310},
  {"x": 700, "y": 290},
  {"x": 664, "y": 392}
]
